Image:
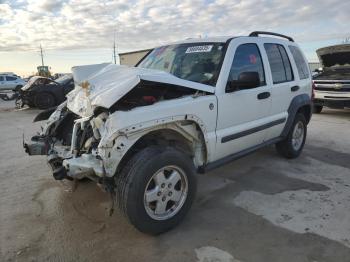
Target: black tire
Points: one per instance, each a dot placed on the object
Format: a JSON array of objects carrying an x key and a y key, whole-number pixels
[
  {"x": 285, "y": 147},
  {"x": 317, "y": 109},
  {"x": 17, "y": 88},
  {"x": 132, "y": 181},
  {"x": 44, "y": 100}
]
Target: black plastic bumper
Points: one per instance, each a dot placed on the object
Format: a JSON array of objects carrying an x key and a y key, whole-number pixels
[{"x": 332, "y": 103}]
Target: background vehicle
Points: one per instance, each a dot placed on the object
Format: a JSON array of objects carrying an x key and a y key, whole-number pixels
[
  {"x": 143, "y": 132},
  {"x": 10, "y": 82},
  {"x": 332, "y": 84},
  {"x": 43, "y": 92},
  {"x": 44, "y": 71}
]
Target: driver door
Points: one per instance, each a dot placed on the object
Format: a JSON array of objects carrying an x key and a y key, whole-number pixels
[{"x": 243, "y": 113}]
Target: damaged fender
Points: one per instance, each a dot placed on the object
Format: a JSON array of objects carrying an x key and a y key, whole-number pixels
[{"x": 114, "y": 146}]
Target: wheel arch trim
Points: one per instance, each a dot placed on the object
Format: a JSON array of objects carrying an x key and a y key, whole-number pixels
[{"x": 298, "y": 102}]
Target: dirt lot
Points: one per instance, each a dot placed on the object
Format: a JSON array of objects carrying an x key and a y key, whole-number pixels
[{"x": 260, "y": 208}]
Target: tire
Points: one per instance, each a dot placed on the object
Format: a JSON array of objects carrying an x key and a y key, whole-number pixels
[
  {"x": 317, "y": 109},
  {"x": 135, "y": 180},
  {"x": 288, "y": 148},
  {"x": 44, "y": 100},
  {"x": 17, "y": 88}
]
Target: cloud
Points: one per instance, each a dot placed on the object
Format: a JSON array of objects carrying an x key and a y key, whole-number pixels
[{"x": 74, "y": 24}]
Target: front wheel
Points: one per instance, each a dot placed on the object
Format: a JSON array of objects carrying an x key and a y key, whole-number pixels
[
  {"x": 293, "y": 144},
  {"x": 44, "y": 100},
  {"x": 156, "y": 189}
]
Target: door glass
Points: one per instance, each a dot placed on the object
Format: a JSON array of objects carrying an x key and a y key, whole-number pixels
[
  {"x": 10, "y": 78},
  {"x": 247, "y": 59},
  {"x": 1, "y": 78},
  {"x": 281, "y": 69}
]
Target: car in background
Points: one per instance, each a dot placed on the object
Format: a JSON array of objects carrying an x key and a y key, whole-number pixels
[
  {"x": 332, "y": 83},
  {"x": 10, "y": 82},
  {"x": 43, "y": 92}
]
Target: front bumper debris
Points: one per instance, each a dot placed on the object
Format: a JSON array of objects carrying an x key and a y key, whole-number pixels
[
  {"x": 37, "y": 146},
  {"x": 84, "y": 166}
]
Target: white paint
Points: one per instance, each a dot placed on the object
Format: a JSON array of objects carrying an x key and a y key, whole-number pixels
[
  {"x": 213, "y": 254},
  {"x": 325, "y": 213},
  {"x": 109, "y": 82}
]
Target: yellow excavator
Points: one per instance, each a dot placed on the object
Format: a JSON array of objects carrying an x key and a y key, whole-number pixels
[{"x": 44, "y": 71}]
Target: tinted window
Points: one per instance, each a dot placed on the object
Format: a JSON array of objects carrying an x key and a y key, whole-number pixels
[
  {"x": 302, "y": 66},
  {"x": 247, "y": 59},
  {"x": 1, "y": 78},
  {"x": 10, "y": 78},
  {"x": 281, "y": 69}
]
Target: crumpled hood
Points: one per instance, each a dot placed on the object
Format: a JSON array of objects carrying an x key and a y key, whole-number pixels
[
  {"x": 102, "y": 85},
  {"x": 31, "y": 81}
]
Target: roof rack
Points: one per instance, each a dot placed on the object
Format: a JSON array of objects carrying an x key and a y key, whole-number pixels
[{"x": 257, "y": 33}]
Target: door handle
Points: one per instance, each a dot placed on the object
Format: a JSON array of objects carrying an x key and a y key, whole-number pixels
[
  {"x": 294, "y": 88},
  {"x": 264, "y": 95}
]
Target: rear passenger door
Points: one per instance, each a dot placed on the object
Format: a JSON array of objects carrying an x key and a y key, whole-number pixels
[
  {"x": 11, "y": 82},
  {"x": 284, "y": 86}
]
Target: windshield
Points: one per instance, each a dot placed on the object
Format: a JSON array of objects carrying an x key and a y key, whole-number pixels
[
  {"x": 197, "y": 62},
  {"x": 64, "y": 79}
]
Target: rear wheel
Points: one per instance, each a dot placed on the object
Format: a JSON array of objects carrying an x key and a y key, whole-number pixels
[
  {"x": 293, "y": 144},
  {"x": 44, "y": 100},
  {"x": 156, "y": 189},
  {"x": 317, "y": 109}
]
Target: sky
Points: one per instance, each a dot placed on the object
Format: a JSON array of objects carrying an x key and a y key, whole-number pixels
[{"x": 78, "y": 32}]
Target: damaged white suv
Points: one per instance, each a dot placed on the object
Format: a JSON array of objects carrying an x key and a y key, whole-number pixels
[{"x": 143, "y": 132}]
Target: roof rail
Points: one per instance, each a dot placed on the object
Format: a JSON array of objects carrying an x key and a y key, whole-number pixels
[{"x": 257, "y": 33}]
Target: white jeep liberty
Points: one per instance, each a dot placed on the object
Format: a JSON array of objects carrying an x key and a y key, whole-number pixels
[{"x": 143, "y": 132}]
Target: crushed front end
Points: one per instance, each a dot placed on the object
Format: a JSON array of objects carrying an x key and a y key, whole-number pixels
[{"x": 71, "y": 144}]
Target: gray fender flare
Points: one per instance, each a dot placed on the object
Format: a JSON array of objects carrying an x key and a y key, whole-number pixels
[{"x": 297, "y": 102}]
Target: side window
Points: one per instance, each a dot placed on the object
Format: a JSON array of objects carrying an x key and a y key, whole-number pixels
[
  {"x": 303, "y": 68},
  {"x": 1, "y": 78},
  {"x": 247, "y": 59},
  {"x": 10, "y": 78},
  {"x": 281, "y": 69}
]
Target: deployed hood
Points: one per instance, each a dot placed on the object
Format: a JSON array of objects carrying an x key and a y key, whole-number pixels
[
  {"x": 334, "y": 56},
  {"x": 102, "y": 85}
]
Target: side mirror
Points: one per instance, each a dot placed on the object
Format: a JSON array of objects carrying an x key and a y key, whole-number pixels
[{"x": 246, "y": 80}]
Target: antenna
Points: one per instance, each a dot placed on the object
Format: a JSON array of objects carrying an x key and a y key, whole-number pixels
[{"x": 42, "y": 56}]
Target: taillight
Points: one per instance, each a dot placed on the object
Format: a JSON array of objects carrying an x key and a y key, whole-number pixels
[{"x": 313, "y": 90}]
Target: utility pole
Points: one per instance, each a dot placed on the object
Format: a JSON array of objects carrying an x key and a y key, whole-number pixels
[
  {"x": 42, "y": 56},
  {"x": 114, "y": 56},
  {"x": 114, "y": 48}
]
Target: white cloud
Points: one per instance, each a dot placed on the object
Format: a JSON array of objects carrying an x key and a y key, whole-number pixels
[{"x": 73, "y": 24}]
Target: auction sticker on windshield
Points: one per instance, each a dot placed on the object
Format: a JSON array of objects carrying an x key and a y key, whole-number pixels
[{"x": 199, "y": 49}]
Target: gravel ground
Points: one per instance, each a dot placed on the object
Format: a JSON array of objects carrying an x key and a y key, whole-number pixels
[{"x": 259, "y": 208}]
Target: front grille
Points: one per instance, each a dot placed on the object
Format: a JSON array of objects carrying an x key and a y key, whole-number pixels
[{"x": 333, "y": 86}]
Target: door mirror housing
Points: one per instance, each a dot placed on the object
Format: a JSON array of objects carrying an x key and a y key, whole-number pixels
[{"x": 246, "y": 80}]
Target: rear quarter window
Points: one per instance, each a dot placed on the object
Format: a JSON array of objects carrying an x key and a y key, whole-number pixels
[{"x": 303, "y": 68}]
